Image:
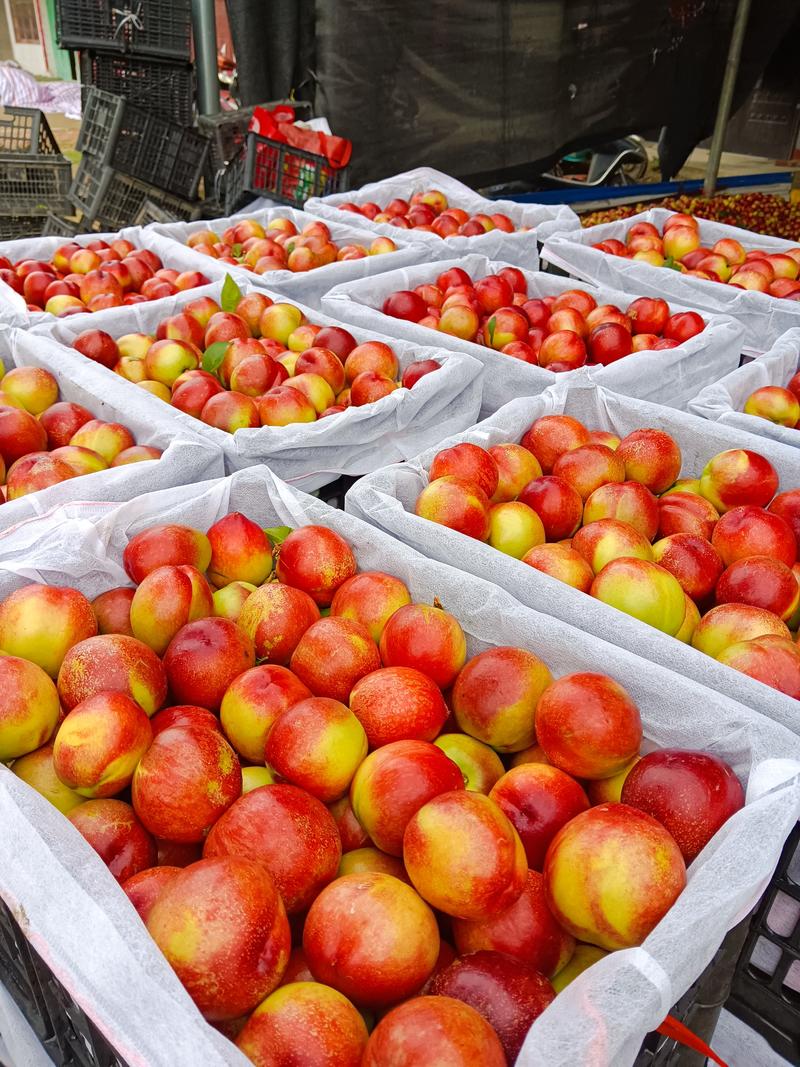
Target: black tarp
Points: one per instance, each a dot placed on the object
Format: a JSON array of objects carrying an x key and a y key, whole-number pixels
[{"x": 497, "y": 89}]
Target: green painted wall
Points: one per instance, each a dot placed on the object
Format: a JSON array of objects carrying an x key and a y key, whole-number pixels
[{"x": 59, "y": 59}]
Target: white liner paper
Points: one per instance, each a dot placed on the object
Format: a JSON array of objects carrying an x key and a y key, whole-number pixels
[
  {"x": 763, "y": 317},
  {"x": 308, "y": 286},
  {"x": 518, "y": 248},
  {"x": 309, "y": 455},
  {"x": 77, "y": 918},
  {"x": 387, "y": 500},
  {"x": 186, "y": 457},
  {"x": 724, "y": 401},
  {"x": 670, "y": 377}
]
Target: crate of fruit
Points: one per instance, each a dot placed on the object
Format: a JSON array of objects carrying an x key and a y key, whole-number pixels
[
  {"x": 639, "y": 568},
  {"x": 291, "y": 251},
  {"x": 248, "y": 860},
  {"x": 437, "y": 210},
  {"x": 63, "y": 437},
  {"x": 46, "y": 278},
  {"x": 529, "y": 328},
  {"x": 712, "y": 266},
  {"x": 267, "y": 381},
  {"x": 762, "y": 396}
]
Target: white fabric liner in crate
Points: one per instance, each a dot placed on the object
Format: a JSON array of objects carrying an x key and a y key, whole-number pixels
[
  {"x": 763, "y": 317},
  {"x": 387, "y": 498},
  {"x": 185, "y": 456},
  {"x": 308, "y": 455},
  {"x": 518, "y": 248},
  {"x": 87, "y": 932},
  {"x": 308, "y": 286},
  {"x": 724, "y": 401},
  {"x": 13, "y": 308},
  {"x": 671, "y": 377}
]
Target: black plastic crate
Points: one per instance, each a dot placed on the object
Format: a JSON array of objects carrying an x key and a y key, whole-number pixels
[
  {"x": 766, "y": 986},
  {"x": 164, "y": 88},
  {"x": 13, "y": 226},
  {"x": 101, "y": 121},
  {"x": 34, "y": 185},
  {"x": 124, "y": 198},
  {"x": 26, "y": 131},
  {"x": 67, "y": 1034},
  {"x": 160, "y": 152},
  {"x": 144, "y": 27},
  {"x": 55, "y": 226},
  {"x": 89, "y": 186},
  {"x": 264, "y": 167}
]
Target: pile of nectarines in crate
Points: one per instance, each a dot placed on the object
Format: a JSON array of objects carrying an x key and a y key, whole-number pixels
[{"x": 276, "y": 753}]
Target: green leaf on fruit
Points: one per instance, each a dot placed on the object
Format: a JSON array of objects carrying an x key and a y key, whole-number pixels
[
  {"x": 324, "y": 612},
  {"x": 236, "y": 251},
  {"x": 671, "y": 264},
  {"x": 490, "y": 327},
  {"x": 214, "y": 355},
  {"x": 278, "y": 534},
  {"x": 231, "y": 294}
]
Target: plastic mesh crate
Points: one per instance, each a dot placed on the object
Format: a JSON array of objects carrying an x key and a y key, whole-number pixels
[
  {"x": 100, "y": 124},
  {"x": 160, "y": 152},
  {"x": 264, "y": 167},
  {"x": 55, "y": 226},
  {"x": 26, "y": 131},
  {"x": 12, "y": 226},
  {"x": 67, "y": 1034},
  {"x": 164, "y": 88},
  {"x": 34, "y": 185},
  {"x": 146, "y": 27},
  {"x": 766, "y": 986},
  {"x": 89, "y": 186},
  {"x": 124, "y": 199}
]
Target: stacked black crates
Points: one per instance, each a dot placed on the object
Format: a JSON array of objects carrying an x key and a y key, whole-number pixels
[
  {"x": 138, "y": 108},
  {"x": 34, "y": 176}
]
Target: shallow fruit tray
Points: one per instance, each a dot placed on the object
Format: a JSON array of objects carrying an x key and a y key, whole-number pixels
[
  {"x": 724, "y": 401},
  {"x": 13, "y": 309},
  {"x": 387, "y": 500},
  {"x": 521, "y": 249},
  {"x": 184, "y": 455},
  {"x": 309, "y": 286},
  {"x": 308, "y": 455},
  {"x": 763, "y": 317},
  {"x": 89, "y": 936},
  {"x": 669, "y": 377}
]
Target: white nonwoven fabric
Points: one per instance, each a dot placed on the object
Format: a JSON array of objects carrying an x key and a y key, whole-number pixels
[
  {"x": 82, "y": 924},
  {"x": 307, "y": 286},
  {"x": 670, "y": 377},
  {"x": 763, "y": 317},
  {"x": 724, "y": 401},
  {"x": 518, "y": 248},
  {"x": 309, "y": 455},
  {"x": 387, "y": 498}
]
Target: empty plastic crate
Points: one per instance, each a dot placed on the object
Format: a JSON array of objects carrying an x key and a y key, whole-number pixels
[
  {"x": 12, "y": 226},
  {"x": 124, "y": 199},
  {"x": 34, "y": 185},
  {"x": 26, "y": 131},
  {"x": 144, "y": 27},
  {"x": 55, "y": 226},
  {"x": 164, "y": 88},
  {"x": 766, "y": 986}
]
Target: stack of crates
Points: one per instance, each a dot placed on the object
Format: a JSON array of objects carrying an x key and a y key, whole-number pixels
[
  {"x": 131, "y": 156},
  {"x": 139, "y": 49},
  {"x": 137, "y": 138},
  {"x": 34, "y": 176}
]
